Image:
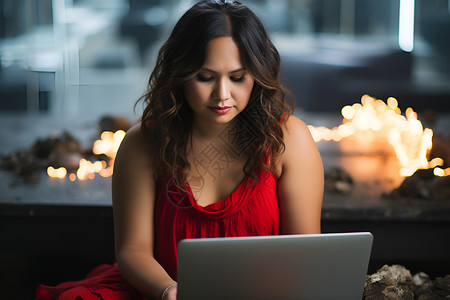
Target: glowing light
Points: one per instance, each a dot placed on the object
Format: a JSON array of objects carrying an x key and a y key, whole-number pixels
[
  {"x": 392, "y": 103},
  {"x": 72, "y": 177},
  {"x": 436, "y": 162},
  {"x": 441, "y": 172},
  {"x": 56, "y": 173},
  {"x": 108, "y": 144},
  {"x": 348, "y": 112},
  {"x": 374, "y": 120},
  {"x": 406, "y": 25}
]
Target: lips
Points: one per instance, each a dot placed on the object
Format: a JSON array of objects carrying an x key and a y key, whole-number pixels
[{"x": 220, "y": 109}]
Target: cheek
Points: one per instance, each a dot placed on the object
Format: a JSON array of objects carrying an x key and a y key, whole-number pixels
[
  {"x": 245, "y": 91},
  {"x": 193, "y": 94},
  {"x": 196, "y": 92}
]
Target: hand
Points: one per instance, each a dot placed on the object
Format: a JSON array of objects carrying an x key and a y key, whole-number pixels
[{"x": 171, "y": 294}]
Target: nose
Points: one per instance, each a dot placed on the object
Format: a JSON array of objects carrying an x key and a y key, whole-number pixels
[{"x": 222, "y": 90}]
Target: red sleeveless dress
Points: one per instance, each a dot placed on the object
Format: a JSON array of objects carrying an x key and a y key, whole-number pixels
[{"x": 251, "y": 210}]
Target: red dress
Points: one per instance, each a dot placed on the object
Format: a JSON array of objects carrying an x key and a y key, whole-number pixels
[{"x": 251, "y": 210}]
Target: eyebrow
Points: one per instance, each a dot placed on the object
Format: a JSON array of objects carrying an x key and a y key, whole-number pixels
[{"x": 212, "y": 71}]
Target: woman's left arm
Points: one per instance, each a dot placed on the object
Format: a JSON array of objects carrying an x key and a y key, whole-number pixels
[{"x": 301, "y": 180}]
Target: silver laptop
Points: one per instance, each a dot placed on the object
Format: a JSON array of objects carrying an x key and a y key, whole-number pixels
[{"x": 317, "y": 267}]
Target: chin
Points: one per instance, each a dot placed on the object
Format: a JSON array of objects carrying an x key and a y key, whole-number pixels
[{"x": 225, "y": 119}]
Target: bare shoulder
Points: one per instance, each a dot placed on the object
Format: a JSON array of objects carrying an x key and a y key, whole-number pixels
[
  {"x": 135, "y": 130},
  {"x": 298, "y": 141},
  {"x": 134, "y": 146},
  {"x": 134, "y": 137},
  {"x": 300, "y": 185},
  {"x": 133, "y": 192},
  {"x": 295, "y": 129},
  {"x": 133, "y": 158}
]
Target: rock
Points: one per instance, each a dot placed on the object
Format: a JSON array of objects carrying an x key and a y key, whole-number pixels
[
  {"x": 389, "y": 282},
  {"x": 441, "y": 148},
  {"x": 396, "y": 282},
  {"x": 440, "y": 188},
  {"x": 114, "y": 123},
  {"x": 428, "y": 297},
  {"x": 424, "y": 185},
  {"x": 423, "y": 287},
  {"x": 421, "y": 279},
  {"x": 58, "y": 151},
  {"x": 441, "y": 287},
  {"x": 338, "y": 181}
]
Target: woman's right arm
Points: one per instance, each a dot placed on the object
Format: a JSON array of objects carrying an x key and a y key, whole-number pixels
[{"x": 133, "y": 193}]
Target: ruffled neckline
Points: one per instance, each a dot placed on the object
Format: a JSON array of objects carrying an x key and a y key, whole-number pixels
[{"x": 230, "y": 204}]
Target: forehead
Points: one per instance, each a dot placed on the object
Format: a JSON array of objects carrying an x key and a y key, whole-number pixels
[{"x": 223, "y": 55}]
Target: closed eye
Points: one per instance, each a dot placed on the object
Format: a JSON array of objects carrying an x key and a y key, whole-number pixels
[
  {"x": 204, "y": 79},
  {"x": 237, "y": 79}
]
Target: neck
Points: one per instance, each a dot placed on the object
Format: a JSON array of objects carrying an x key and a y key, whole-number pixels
[
  {"x": 218, "y": 138},
  {"x": 210, "y": 131}
]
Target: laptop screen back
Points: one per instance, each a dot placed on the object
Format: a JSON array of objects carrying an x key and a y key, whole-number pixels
[{"x": 323, "y": 266}]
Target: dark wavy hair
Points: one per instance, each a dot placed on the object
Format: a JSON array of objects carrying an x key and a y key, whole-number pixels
[{"x": 167, "y": 118}]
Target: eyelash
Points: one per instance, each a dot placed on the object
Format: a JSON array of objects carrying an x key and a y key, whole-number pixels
[
  {"x": 237, "y": 79},
  {"x": 204, "y": 79},
  {"x": 208, "y": 79}
]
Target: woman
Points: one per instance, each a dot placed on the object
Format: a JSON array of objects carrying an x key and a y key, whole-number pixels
[{"x": 217, "y": 152}]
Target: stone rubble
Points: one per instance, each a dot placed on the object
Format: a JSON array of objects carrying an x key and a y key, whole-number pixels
[{"x": 396, "y": 282}]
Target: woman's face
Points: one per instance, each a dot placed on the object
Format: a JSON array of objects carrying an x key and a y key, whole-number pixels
[{"x": 222, "y": 87}]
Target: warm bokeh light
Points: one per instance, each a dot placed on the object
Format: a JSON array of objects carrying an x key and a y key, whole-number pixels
[
  {"x": 72, "y": 177},
  {"x": 108, "y": 144},
  {"x": 348, "y": 112},
  {"x": 57, "y": 173},
  {"x": 373, "y": 119},
  {"x": 441, "y": 172},
  {"x": 435, "y": 162}
]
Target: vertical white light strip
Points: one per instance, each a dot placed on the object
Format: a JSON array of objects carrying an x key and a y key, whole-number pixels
[{"x": 406, "y": 25}]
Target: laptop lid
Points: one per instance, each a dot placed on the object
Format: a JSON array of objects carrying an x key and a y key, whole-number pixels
[{"x": 317, "y": 267}]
